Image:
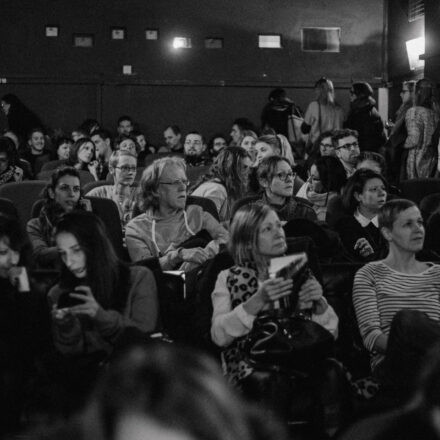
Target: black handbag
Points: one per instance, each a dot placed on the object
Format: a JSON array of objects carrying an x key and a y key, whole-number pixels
[{"x": 295, "y": 343}]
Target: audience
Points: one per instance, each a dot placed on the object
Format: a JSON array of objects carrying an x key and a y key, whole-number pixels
[
  {"x": 103, "y": 144},
  {"x": 125, "y": 125},
  {"x": 63, "y": 146},
  {"x": 83, "y": 157},
  {"x": 127, "y": 142},
  {"x": 421, "y": 122},
  {"x": 248, "y": 143},
  {"x": 363, "y": 196},
  {"x": 323, "y": 114},
  {"x": 216, "y": 144},
  {"x": 195, "y": 148},
  {"x": 365, "y": 119},
  {"x": 62, "y": 194},
  {"x": 35, "y": 151},
  {"x": 238, "y": 126},
  {"x": 276, "y": 178},
  {"x": 271, "y": 145},
  {"x": 326, "y": 179},
  {"x": 227, "y": 180},
  {"x": 10, "y": 170},
  {"x": 122, "y": 167},
  {"x": 173, "y": 140},
  {"x": 346, "y": 147},
  {"x": 167, "y": 222},
  {"x": 396, "y": 300}
]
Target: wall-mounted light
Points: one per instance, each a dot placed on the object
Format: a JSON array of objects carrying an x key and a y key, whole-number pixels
[
  {"x": 414, "y": 49},
  {"x": 181, "y": 43}
]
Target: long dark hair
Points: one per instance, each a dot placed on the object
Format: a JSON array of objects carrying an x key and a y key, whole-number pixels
[
  {"x": 16, "y": 238},
  {"x": 107, "y": 276},
  {"x": 73, "y": 153}
]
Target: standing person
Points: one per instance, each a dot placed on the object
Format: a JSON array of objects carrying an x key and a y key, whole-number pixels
[
  {"x": 365, "y": 119},
  {"x": 323, "y": 113},
  {"x": 227, "y": 180},
  {"x": 397, "y": 299},
  {"x": 421, "y": 121},
  {"x": 122, "y": 167},
  {"x": 277, "y": 111},
  {"x": 21, "y": 120},
  {"x": 396, "y": 153}
]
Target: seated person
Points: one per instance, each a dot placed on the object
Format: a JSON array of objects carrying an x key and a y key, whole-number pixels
[
  {"x": 273, "y": 145},
  {"x": 122, "y": 167},
  {"x": 97, "y": 297},
  {"x": 216, "y": 144},
  {"x": 62, "y": 194},
  {"x": 248, "y": 142},
  {"x": 195, "y": 150},
  {"x": 276, "y": 178},
  {"x": 127, "y": 142},
  {"x": 83, "y": 156},
  {"x": 167, "y": 222},
  {"x": 363, "y": 196},
  {"x": 36, "y": 152},
  {"x": 227, "y": 180},
  {"x": 256, "y": 236},
  {"x": 326, "y": 179},
  {"x": 397, "y": 299},
  {"x": 173, "y": 140},
  {"x": 10, "y": 171},
  {"x": 103, "y": 144},
  {"x": 63, "y": 146},
  {"x": 144, "y": 148},
  {"x": 346, "y": 146}
]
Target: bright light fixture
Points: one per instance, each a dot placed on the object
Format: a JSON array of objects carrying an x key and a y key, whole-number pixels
[
  {"x": 181, "y": 43},
  {"x": 415, "y": 48}
]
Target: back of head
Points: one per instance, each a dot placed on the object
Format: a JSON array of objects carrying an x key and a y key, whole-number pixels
[
  {"x": 7, "y": 146},
  {"x": 362, "y": 89},
  {"x": 176, "y": 388},
  {"x": 331, "y": 173},
  {"x": 13, "y": 235},
  {"x": 244, "y": 124}
]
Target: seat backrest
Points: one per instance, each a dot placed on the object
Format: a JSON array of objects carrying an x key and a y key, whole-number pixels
[
  {"x": 207, "y": 204},
  {"x": 53, "y": 165},
  {"x": 23, "y": 195},
  {"x": 243, "y": 202},
  {"x": 8, "y": 208},
  {"x": 89, "y": 186},
  {"x": 84, "y": 176},
  {"x": 416, "y": 189},
  {"x": 108, "y": 212},
  {"x": 150, "y": 158},
  {"x": 194, "y": 173},
  {"x": 429, "y": 204},
  {"x": 335, "y": 211}
]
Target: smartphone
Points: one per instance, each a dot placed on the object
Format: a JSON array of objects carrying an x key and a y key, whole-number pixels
[{"x": 65, "y": 300}]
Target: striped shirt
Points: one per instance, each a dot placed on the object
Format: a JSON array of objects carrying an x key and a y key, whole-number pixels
[{"x": 379, "y": 292}]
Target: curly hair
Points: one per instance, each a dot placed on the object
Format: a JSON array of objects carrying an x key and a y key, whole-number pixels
[{"x": 146, "y": 195}]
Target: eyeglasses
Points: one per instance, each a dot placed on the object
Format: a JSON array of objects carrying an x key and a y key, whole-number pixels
[
  {"x": 349, "y": 146},
  {"x": 66, "y": 188},
  {"x": 177, "y": 182},
  {"x": 127, "y": 169},
  {"x": 283, "y": 176}
]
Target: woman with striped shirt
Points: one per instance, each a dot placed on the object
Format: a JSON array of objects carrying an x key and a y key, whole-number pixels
[{"x": 397, "y": 300}]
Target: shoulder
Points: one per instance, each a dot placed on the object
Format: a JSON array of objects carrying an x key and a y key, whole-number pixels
[
  {"x": 100, "y": 191},
  {"x": 372, "y": 269},
  {"x": 194, "y": 211},
  {"x": 301, "y": 202},
  {"x": 140, "y": 222},
  {"x": 138, "y": 273}
]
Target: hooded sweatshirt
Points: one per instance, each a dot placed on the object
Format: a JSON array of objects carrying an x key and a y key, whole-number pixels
[{"x": 149, "y": 235}]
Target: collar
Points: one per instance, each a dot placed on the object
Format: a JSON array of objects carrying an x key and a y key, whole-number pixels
[{"x": 364, "y": 221}]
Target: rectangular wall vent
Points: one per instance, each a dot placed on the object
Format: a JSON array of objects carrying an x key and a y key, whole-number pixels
[
  {"x": 320, "y": 39},
  {"x": 416, "y": 9}
]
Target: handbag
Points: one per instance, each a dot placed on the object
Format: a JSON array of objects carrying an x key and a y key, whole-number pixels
[{"x": 293, "y": 343}]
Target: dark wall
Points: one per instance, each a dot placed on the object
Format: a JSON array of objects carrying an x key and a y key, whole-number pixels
[
  {"x": 195, "y": 88},
  {"x": 432, "y": 38}
]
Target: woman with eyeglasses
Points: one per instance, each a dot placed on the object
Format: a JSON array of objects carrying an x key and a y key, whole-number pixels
[
  {"x": 323, "y": 113},
  {"x": 421, "y": 122},
  {"x": 62, "y": 194},
  {"x": 227, "y": 180},
  {"x": 169, "y": 229},
  {"x": 276, "y": 178},
  {"x": 122, "y": 166},
  {"x": 326, "y": 179},
  {"x": 363, "y": 196},
  {"x": 365, "y": 119}
]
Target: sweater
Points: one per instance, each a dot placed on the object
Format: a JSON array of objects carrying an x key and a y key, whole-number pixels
[
  {"x": 100, "y": 334},
  {"x": 150, "y": 236},
  {"x": 379, "y": 292}
]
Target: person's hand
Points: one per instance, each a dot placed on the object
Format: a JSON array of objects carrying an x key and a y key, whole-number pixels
[
  {"x": 93, "y": 167},
  {"x": 62, "y": 317},
  {"x": 89, "y": 307},
  {"x": 195, "y": 255},
  {"x": 363, "y": 247},
  {"x": 310, "y": 294},
  {"x": 270, "y": 290}
]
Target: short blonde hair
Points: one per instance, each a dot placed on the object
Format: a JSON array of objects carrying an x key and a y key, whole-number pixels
[{"x": 147, "y": 192}]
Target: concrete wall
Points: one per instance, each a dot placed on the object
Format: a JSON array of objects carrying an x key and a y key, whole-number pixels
[{"x": 195, "y": 88}]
